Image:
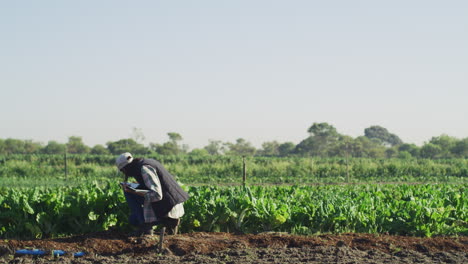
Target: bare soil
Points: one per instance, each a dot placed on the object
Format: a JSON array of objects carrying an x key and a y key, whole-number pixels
[{"x": 115, "y": 247}]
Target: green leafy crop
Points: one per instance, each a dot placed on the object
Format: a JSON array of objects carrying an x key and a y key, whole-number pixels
[{"x": 420, "y": 210}]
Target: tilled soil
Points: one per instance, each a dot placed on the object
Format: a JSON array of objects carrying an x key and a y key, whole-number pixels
[{"x": 116, "y": 247}]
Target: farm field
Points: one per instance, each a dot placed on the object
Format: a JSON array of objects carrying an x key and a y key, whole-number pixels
[
  {"x": 214, "y": 247},
  {"x": 74, "y": 170},
  {"x": 291, "y": 210},
  {"x": 420, "y": 210}
]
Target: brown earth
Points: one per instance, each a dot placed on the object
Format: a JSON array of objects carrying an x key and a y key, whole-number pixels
[{"x": 115, "y": 247}]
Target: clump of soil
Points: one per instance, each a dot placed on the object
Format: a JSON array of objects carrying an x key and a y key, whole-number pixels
[{"x": 116, "y": 247}]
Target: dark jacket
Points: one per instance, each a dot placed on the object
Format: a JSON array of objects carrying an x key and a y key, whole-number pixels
[{"x": 172, "y": 193}]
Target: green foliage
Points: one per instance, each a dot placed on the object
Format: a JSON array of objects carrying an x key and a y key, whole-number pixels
[
  {"x": 44, "y": 212},
  {"x": 53, "y": 147},
  {"x": 431, "y": 151},
  {"x": 420, "y": 210},
  {"x": 29, "y": 170},
  {"x": 446, "y": 145},
  {"x": 270, "y": 149},
  {"x": 368, "y": 148},
  {"x": 241, "y": 148},
  {"x": 404, "y": 155},
  {"x": 460, "y": 150},
  {"x": 199, "y": 152},
  {"x": 286, "y": 149},
  {"x": 174, "y": 137},
  {"x": 323, "y": 141},
  {"x": 14, "y": 146},
  {"x": 170, "y": 147},
  {"x": 99, "y": 150},
  {"x": 75, "y": 145},
  {"x": 126, "y": 145},
  {"x": 410, "y": 148},
  {"x": 382, "y": 135},
  {"x": 322, "y": 137},
  {"x": 215, "y": 147},
  {"x": 323, "y": 130}
]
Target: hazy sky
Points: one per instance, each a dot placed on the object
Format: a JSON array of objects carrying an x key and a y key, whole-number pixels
[{"x": 222, "y": 70}]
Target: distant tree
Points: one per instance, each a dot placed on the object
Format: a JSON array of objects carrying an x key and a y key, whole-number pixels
[
  {"x": 412, "y": 149},
  {"x": 446, "y": 144},
  {"x": 53, "y": 147},
  {"x": 171, "y": 147},
  {"x": 323, "y": 130},
  {"x": 215, "y": 147},
  {"x": 13, "y": 146},
  {"x": 344, "y": 146},
  {"x": 75, "y": 145},
  {"x": 368, "y": 148},
  {"x": 126, "y": 145},
  {"x": 382, "y": 134},
  {"x": 460, "y": 149},
  {"x": 391, "y": 152},
  {"x": 404, "y": 155},
  {"x": 322, "y": 137},
  {"x": 269, "y": 149},
  {"x": 31, "y": 147},
  {"x": 174, "y": 137},
  {"x": 310, "y": 146},
  {"x": 17, "y": 146},
  {"x": 199, "y": 152},
  {"x": 241, "y": 148},
  {"x": 286, "y": 149},
  {"x": 168, "y": 148},
  {"x": 430, "y": 151},
  {"x": 99, "y": 150},
  {"x": 359, "y": 147}
]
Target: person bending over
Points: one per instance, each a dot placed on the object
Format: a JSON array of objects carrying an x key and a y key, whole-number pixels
[{"x": 158, "y": 199}]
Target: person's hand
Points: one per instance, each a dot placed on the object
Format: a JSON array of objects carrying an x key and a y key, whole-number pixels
[{"x": 125, "y": 188}]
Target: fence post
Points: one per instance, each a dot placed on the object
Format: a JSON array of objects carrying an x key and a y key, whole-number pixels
[
  {"x": 312, "y": 169},
  {"x": 244, "y": 171},
  {"x": 161, "y": 239},
  {"x": 347, "y": 169},
  {"x": 347, "y": 165},
  {"x": 66, "y": 167}
]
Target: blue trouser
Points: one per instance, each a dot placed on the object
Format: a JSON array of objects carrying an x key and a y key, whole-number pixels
[{"x": 135, "y": 202}]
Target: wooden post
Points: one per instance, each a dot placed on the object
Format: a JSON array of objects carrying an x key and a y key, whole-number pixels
[
  {"x": 312, "y": 168},
  {"x": 347, "y": 165},
  {"x": 161, "y": 239},
  {"x": 244, "y": 170},
  {"x": 66, "y": 167}
]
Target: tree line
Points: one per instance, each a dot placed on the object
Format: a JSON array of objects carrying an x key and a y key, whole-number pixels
[{"x": 323, "y": 141}]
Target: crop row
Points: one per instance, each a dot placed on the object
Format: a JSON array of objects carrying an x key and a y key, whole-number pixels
[
  {"x": 18, "y": 169},
  {"x": 422, "y": 210}
]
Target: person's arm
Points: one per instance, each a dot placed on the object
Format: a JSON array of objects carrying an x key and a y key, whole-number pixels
[
  {"x": 126, "y": 188},
  {"x": 152, "y": 182}
]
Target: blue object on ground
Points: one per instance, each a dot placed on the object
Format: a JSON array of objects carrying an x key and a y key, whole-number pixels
[
  {"x": 58, "y": 252},
  {"x": 36, "y": 252}
]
